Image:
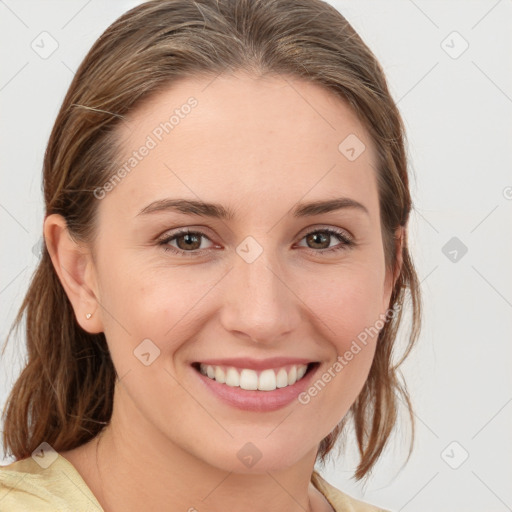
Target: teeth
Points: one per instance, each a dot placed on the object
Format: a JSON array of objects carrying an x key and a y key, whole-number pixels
[
  {"x": 267, "y": 380},
  {"x": 220, "y": 376},
  {"x": 282, "y": 378},
  {"x": 232, "y": 378},
  {"x": 248, "y": 380},
  {"x": 292, "y": 376}
]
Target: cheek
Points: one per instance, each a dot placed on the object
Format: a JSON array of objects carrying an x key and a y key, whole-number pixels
[
  {"x": 157, "y": 304},
  {"x": 348, "y": 311},
  {"x": 348, "y": 302}
]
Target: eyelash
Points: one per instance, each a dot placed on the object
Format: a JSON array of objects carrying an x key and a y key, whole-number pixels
[{"x": 348, "y": 242}]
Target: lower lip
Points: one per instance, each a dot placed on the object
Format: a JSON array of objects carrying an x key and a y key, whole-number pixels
[{"x": 258, "y": 401}]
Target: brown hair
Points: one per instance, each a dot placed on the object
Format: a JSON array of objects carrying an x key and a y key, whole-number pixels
[{"x": 64, "y": 395}]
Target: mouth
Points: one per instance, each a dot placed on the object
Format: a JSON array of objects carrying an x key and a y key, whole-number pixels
[{"x": 249, "y": 379}]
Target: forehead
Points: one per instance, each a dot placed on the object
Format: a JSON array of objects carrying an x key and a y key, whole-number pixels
[{"x": 240, "y": 139}]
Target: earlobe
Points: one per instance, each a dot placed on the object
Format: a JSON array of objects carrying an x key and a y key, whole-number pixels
[{"x": 74, "y": 266}]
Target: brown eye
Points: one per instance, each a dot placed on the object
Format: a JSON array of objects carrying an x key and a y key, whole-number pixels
[
  {"x": 190, "y": 241},
  {"x": 320, "y": 240}
]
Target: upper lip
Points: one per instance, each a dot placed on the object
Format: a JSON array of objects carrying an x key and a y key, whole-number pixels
[{"x": 256, "y": 364}]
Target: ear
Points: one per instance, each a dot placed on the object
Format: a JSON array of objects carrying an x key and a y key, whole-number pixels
[
  {"x": 391, "y": 277},
  {"x": 75, "y": 267}
]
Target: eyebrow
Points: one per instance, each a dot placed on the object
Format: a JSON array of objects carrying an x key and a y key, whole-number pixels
[{"x": 216, "y": 210}]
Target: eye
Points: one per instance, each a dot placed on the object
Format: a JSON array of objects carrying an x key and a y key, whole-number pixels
[
  {"x": 320, "y": 240},
  {"x": 187, "y": 242}
]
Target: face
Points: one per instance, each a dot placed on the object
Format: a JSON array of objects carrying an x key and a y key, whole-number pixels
[{"x": 261, "y": 288}]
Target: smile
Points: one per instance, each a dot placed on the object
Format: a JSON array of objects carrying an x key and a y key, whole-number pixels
[
  {"x": 252, "y": 380},
  {"x": 258, "y": 385}
]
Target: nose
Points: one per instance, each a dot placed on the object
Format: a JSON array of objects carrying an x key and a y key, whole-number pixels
[{"x": 259, "y": 301}]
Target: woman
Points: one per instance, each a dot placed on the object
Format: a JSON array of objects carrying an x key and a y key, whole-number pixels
[{"x": 225, "y": 263}]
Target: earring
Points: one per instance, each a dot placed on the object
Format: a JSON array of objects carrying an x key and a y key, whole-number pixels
[{"x": 88, "y": 315}]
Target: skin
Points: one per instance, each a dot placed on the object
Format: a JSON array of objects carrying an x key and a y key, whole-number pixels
[{"x": 257, "y": 146}]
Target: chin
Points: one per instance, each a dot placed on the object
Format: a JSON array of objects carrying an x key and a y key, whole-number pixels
[{"x": 259, "y": 456}]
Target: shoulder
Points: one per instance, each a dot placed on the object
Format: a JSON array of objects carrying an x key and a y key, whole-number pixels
[
  {"x": 340, "y": 501},
  {"x": 29, "y": 486}
]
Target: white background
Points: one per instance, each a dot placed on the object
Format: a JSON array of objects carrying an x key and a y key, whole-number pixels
[{"x": 458, "y": 114}]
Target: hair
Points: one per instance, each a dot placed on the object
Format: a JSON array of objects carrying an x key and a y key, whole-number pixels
[{"x": 64, "y": 394}]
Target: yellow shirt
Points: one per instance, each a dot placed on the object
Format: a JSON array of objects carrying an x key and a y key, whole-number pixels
[{"x": 27, "y": 487}]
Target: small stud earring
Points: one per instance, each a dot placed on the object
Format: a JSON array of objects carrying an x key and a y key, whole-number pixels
[{"x": 88, "y": 315}]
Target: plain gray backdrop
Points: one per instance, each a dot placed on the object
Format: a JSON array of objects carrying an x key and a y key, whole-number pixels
[{"x": 449, "y": 68}]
